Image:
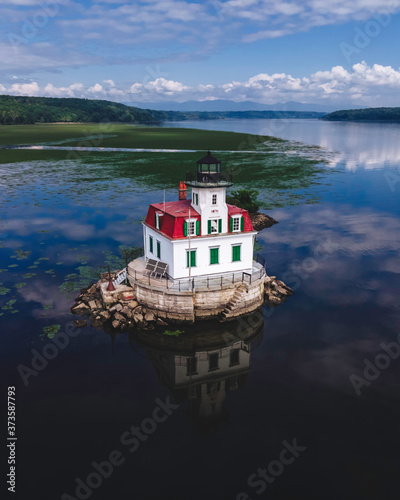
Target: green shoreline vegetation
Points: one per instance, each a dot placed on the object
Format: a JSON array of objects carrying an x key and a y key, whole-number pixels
[
  {"x": 387, "y": 115},
  {"x": 22, "y": 110},
  {"x": 283, "y": 171}
]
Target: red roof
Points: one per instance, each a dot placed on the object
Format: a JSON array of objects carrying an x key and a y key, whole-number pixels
[{"x": 173, "y": 218}]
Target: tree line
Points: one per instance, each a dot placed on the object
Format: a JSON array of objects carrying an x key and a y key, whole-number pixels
[
  {"x": 21, "y": 110},
  {"x": 366, "y": 115}
]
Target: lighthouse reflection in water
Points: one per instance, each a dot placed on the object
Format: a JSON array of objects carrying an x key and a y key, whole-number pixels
[{"x": 203, "y": 365}]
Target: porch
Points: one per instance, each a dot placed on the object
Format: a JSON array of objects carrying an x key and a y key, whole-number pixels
[{"x": 137, "y": 274}]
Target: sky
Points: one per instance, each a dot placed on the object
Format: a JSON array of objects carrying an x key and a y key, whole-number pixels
[{"x": 332, "y": 52}]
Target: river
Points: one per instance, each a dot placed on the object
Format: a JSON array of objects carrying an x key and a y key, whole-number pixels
[{"x": 305, "y": 401}]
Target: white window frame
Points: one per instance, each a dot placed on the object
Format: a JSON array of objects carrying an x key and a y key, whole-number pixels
[
  {"x": 216, "y": 199},
  {"x": 192, "y": 250},
  {"x": 241, "y": 254},
  {"x": 158, "y": 220},
  {"x": 216, "y": 227},
  {"x": 216, "y": 247},
  {"x": 236, "y": 220},
  {"x": 195, "y": 198},
  {"x": 189, "y": 226}
]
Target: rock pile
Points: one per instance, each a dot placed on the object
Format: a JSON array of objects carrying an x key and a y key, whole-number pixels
[
  {"x": 261, "y": 221},
  {"x": 121, "y": 316},
  {"x": 275, "y": 291}
]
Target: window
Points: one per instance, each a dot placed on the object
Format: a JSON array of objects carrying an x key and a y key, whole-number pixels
[
  {"x": 214, "y": 226},
  {"x": 158, "y": 220},
  {"x": 158, "y": 250},
  {"x": 191, "y": 366},
  {"x": 214, "y": 199},
  {"x": 236, "y": 224},
  {"x": 192, "y": 258},
  {"x": 214, "y": 255},
  {"x": 191, "y": 227},
  {"x": 213, "y": 362},
  {"x": 234, "y": 357},
  {"x": 195, "y": 198},
  {"x": 151, "y": 243},
  {"x": 235, "y": 253}
]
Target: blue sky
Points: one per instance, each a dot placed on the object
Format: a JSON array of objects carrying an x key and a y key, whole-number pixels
[{"x": 315, "y": 51}]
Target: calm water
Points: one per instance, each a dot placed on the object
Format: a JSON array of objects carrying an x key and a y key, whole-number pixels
[{"x": 293, "y": 382}]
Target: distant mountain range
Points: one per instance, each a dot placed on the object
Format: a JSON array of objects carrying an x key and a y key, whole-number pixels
[
  {"x": 222, "y": 105},
  {"x": 18, "y": 110},
  {"x": 28, "y": 110}
]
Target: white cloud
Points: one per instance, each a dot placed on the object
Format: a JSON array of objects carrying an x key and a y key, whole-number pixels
[
  {"x": 283, "y": 18},
  {"x": 96, "y": 89},
  {"x": 25, "y": 89},
  {"x": 363, "y": 85},
  {"x": 120, "y": 32}
]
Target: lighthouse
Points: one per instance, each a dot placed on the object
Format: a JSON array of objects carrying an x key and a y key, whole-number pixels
[{"x": 203, "y": 236}]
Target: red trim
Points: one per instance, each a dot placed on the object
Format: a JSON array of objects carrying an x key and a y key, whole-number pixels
[{"x": 177, "y": 212}]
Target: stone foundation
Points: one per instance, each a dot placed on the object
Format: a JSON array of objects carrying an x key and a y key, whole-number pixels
[{"x": 145, "y": 307}]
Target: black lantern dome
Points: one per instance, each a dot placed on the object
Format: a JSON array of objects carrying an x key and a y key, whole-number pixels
[{"x": 209, "y": 173}]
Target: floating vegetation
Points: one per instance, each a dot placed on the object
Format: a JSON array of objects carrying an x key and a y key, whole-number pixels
[
  {"x": 51, "y": 330},
  {"x": 3, "y": 270},
  {"x": 44, "y": 258},
  {"x": 32, "y": 267},
  {"x": 22, "y": 254},
  {"x": 4, "y": 290},
  {"x": 13, "y": 265},
  {"x": 46, "y": 307},
  {"x": 86, "y": 276},
  {"x": 15, "y": 311},
  {"x": 9, "y": 305},
  {"x": 49, "y": 271},
  {"x": 174, "y": 333},
  {"x": 19, "y": 285},
  {"x": 28, "y": 275}
]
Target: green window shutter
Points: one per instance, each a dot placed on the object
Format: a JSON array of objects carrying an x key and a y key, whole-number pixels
[
  {"x": 155, "y": 221},
  {"x": 197, "y": 227},
  {"x": 185, "y": 228},
  {"x": 242, "y": 223},
  {"x": 236, "y": 253},
  {"x": 158, "y": 250},
  {"x": 192, "y": 258},
  {"x": 209, "y": 227},
  {"x": 214, "y": 255},
  {"x": 220, "y": 225},
  {"x": 230, "y": 224},
  {"x": 151, "y": 244}
]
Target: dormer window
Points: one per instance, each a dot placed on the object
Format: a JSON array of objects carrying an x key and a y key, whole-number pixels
[
  {"x": 236, "y": 223},
  {"x": 195, "y": 198},
  {"x": 158, "y": 220},
  {"x": 214, "y": 226},
  {"x": 191, "y": 227},
  {"x": 214, "y": 199}
]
